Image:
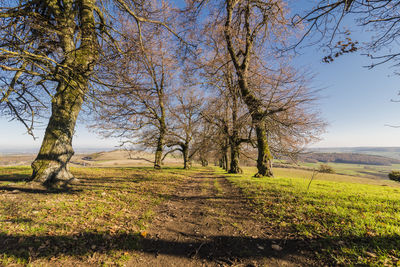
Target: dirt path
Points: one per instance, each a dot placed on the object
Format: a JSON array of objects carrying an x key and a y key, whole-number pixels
[{"x": 207, "y": 222}]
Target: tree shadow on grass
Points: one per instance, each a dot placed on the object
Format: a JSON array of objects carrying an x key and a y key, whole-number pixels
[
  {"x": 13, "y": 177},
  {"x": 112, "y": 180},
  {"x": 21, "y": 189},
  {"x": 227, "y": 248},
  {"x": 230, "y": 247},
  {"x": 83, "y": 184}
]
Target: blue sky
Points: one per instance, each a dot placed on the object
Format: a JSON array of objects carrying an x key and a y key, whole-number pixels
[
  {"x": 356, "y": 103},
  {"x": 13, "y": 136}
]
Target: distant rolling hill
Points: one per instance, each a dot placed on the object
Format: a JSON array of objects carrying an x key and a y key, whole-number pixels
[
  {"x": 390, "y": 152},
  {"x": 350, "y": 158}
]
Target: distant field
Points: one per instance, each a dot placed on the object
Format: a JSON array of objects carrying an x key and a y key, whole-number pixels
[
  {"x": 391, "y": 152},
  {"x": 99, "y": 159},
  {"x": 347, "y": 220},
  {"x": 358, "y": 169}
]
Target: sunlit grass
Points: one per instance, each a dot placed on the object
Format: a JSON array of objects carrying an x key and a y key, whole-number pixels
[
  {"x": 336, "y": 177},
  {"x": 347, "y": 222}
]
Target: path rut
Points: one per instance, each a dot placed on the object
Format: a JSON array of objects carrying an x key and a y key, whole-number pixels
[{"x": 208, "y": 222}]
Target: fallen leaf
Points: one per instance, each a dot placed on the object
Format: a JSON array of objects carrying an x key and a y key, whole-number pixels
[{"x": 276, "y": 247}]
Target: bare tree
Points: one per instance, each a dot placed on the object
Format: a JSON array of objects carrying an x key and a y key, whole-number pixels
[
  {"x": 228, "y": 114},
  {"x": 247, "y": 25},
  {"x": 205, "y": 142},
  {"x": 185, "y": 124},
  {"x": 53, "y": 45},
  {"x": 225, "y": 110},
  {"x": 325, "y": 25},
  {"x": 134, "y": 104},
  {"x": 49, "y": 51},
  {"x": 251, "y": 31}
]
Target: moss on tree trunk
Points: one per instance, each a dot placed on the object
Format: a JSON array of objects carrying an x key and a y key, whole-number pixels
[
  {"x": 235, "y": 150},
  {"x": 204, "y": 162},
  {"x": 158, "y": 158},
  {"x": 186, "y": 160},
  {"x": 226, "y": 160},
  {"x": 264, "y": 159},
  {"x": 253, "y": 102},
  {"x": 51, "y": 164},
  {"x": 79, "y": 58},
  {"x": 159, "y": 150}
]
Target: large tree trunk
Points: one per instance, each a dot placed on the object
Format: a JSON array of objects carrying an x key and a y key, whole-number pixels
[
  {"x": 224, "y": 156},
  {"x": 158, "y": 156},
  {"x": 162, "y": 127},
  {"x": 204, "y": 162},
  {"x": 51, "y": 164},
  {"x": 264, "y": 160},
  {"x": 186, "y": 160},
  {"x": 254, "y": 103},
  {"x": 235, "y": 151},
  {"x": 234, "y": 138},
  {"x": 159, "y": 150},
  {"x": 226, "y": 160}
]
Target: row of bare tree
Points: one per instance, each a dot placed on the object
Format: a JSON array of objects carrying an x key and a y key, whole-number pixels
[{"x": 212, "y": 78}]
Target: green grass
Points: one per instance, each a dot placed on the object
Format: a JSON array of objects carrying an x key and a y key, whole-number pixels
[
  {"x": 347, "y": 220},
  {"x": 306, "y": 174},
  {"x": 347, "y": 223},
  {"x": 98, "y": 222}
]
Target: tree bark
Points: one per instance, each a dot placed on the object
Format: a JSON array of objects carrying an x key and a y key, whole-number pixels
[
  {"x": 186, "y": 160},
  {"x": 224, "y": 156},
  {"x": 162, "y": 125},
  {"x": 226, "y": 160},
  {"x": 264, "y": 160},
  {"x": 51, "y": 164},
  {"x": 234, "y": 138},
  {"x": 158, "y": 156},
  {"x": 204, "y": 162},
  {"x": 159, "y": 150},
  {"x": 235, "y": 150}
]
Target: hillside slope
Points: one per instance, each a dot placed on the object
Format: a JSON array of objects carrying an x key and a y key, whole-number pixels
[{"x": 352, "y": 158}]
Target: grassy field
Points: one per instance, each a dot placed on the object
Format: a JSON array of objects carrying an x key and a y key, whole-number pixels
[
  {"x": 347, "y": 220},
  {"x": 336, "y": 177},
  {"x": 97, "y": 222}
]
